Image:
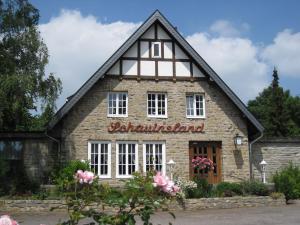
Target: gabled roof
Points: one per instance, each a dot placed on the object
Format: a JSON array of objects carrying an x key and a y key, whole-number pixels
[{"x": 156, "y": 16}]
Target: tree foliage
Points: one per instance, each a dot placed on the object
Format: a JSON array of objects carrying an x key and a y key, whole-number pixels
[
  {"x": 277, "y": 110},
  {"x": 24, "y": 87}
]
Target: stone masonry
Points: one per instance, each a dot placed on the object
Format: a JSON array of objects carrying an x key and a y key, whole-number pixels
[
  {"x": 277, "y": 152},
  {"x": 88, "y": 121}
]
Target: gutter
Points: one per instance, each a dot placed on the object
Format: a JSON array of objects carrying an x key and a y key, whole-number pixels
[
  {"x": 250, "y": 153},
  {"x": 58, "y": 143}
]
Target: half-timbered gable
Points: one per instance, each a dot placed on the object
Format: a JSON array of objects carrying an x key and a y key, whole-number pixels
[{"x": 156, "y": 55}]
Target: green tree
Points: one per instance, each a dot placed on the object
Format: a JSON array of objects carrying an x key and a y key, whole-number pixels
[
  {"x": 24, "y": 86},
  {"x": 277, "y": 110}
]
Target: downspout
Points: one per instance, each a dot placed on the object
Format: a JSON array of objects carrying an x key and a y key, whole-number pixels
[
  {"x": 250, "y": 153},
  {"x": 58, "y": 144}
]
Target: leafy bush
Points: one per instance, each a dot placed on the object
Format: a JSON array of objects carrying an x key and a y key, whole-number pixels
[
  {"x": 140, "y": 197},
  {"x": 66, "y": 174},
  {"x": 226, "y": 189},
  {"x": 277, "y": 195},
  {"x": 287, "y": 181},
  {"x": 203, "y": 190},
  {"x": 254, "y": 188}
]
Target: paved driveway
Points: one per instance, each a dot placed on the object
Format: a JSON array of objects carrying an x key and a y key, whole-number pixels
[{"x": 286, "y": 215}]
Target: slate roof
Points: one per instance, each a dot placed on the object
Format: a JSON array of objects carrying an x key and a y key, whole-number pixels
[{"x": 156, "y": 16}]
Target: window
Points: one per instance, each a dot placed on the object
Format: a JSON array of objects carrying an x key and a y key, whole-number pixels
[
  {"x": 157, "y": 105},
  {"x": 195, "y": 106},
  {"x": 99, "y": 154},
  {"x": 117, "y": 104},
  {"x": 11, "y": 150},
  {"x": 126, "y": 159},
  {"x": 156, "y": 50},
  {"x": 154, "y": 157}
]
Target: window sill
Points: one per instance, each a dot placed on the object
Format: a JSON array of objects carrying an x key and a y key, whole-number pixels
[
  {"x": 195, "y": 117},
  {"x": 117, "y": 116},
  {"x": 158, "y": 117},
  {"x": 123, "y": 176}
]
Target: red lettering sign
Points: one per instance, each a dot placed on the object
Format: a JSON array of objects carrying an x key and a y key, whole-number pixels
[{"x": 147, "y": 128}]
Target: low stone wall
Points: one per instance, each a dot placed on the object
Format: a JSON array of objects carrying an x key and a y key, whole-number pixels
[
  {"x": 189, "y": 205},
  {"x": 228, "y": 203}
]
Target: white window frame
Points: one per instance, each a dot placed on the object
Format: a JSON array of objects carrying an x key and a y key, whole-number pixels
[
  {"x": 194, "y": 105},
  {"x": 156, "y": 105},
  {"x": 163, "y": 154},
  {"x": 126, "y": 152},
  {"x": 152, "y": 50},
  {"x": 117, "y": 105},
  {"x": 108, "y": 175}
]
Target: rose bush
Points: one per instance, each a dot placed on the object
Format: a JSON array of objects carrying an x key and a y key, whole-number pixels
[
  {"x": 202, "y": 163},
  {"x": 6, "y": 220},
  {"x": 141, "y": 196}
]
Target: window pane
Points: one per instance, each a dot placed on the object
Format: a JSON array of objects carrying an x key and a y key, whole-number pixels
[
  {"x": 156, "y": 49},
  {"x": 189, "y": 105}
]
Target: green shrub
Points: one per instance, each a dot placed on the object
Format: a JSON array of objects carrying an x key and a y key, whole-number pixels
[
  {"x": 277, "y": 195},
  {"x": 67, "y": 172},
  {"x": 254, "y": 188},
  {"x": 287, "y": 181},
  {"x": 226, "y": 189},
  {"x": 203, "y": 190}
]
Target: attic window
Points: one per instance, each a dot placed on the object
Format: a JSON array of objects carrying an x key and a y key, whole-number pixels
[{"x": 156, "y": 50}]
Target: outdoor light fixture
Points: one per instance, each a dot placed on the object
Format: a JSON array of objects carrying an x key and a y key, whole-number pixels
[
  {"x": 238, "y": 140},
  {"x": 171, "y": 165},
  {"x": 263, "y": 165}
]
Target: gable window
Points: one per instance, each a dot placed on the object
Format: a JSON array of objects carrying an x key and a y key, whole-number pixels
[
  {"x": 156, "y": 50},
  {"x": 117, "y": 104},
  {"x": 99, "y": 154},
  {"x": 126, "y": 159},
  {"x": 195, "y": 106},
  {"x": 154, "y": 156},
  {"x": 157, "y": 105}
]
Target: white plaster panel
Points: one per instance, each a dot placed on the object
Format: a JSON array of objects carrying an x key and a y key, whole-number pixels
[
  {"x": 179, "y": 54},
  {"x": 165, "y": 68},
  {"x": 197, "y": 72},
  {"x": 115, "y": 70},
  {"x": 147, "y": 68},
  {"x": 168, "y": 50},
  {"x": 149, "y": 33},
  {"x": 161, "y": 34},
  {"x": 144, "y": 49},
  {"x": 129, "y": 67},
  {"x": 132, "y": 52},
  {"x": 183, "y": 69}
]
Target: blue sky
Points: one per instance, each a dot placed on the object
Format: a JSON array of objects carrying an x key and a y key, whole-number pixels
[{"x": 242, "y": 40}]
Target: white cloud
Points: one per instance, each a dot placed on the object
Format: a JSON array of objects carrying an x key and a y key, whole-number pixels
[
  {"x": 225, "y": 28},
  {"x": 79, "y": 45},
  {"x": 284, "y": 53},
  {"x": 236, "y": 60}
]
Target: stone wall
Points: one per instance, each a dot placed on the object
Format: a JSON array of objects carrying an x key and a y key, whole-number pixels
[
  {"x": 88, "y": 121},
  {"x": 38, "y": 155},
  {"x": 190, "y": 204},
  {"x": 277, "y": 152}
]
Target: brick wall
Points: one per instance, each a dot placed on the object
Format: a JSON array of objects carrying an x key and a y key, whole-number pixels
[{"x": 88, "y": 121}]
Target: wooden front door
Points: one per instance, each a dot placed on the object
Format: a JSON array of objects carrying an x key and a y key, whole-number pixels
[{"x": 212, "y": 151}]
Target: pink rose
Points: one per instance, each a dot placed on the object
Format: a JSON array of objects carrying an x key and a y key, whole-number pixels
[
  {"x": 160, "y": 180},
  {"x": 6, "y": 220}
]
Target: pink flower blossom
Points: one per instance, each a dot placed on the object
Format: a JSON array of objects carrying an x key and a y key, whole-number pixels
[
  {"x": 85, "y": 177},
  {"x": 165, "y": 184},
  {"x": 6, "y": 220}
]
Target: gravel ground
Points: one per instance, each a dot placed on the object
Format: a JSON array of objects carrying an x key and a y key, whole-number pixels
[{"x": 284, "y": 215}]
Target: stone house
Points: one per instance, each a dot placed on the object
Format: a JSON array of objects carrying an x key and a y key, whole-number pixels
[{"x": 155, "y": 99}]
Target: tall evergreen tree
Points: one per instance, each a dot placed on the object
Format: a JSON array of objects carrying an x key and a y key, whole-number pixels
[
  {"x": 23, "y": 57},
  {"x": 277, "y": 110}
]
